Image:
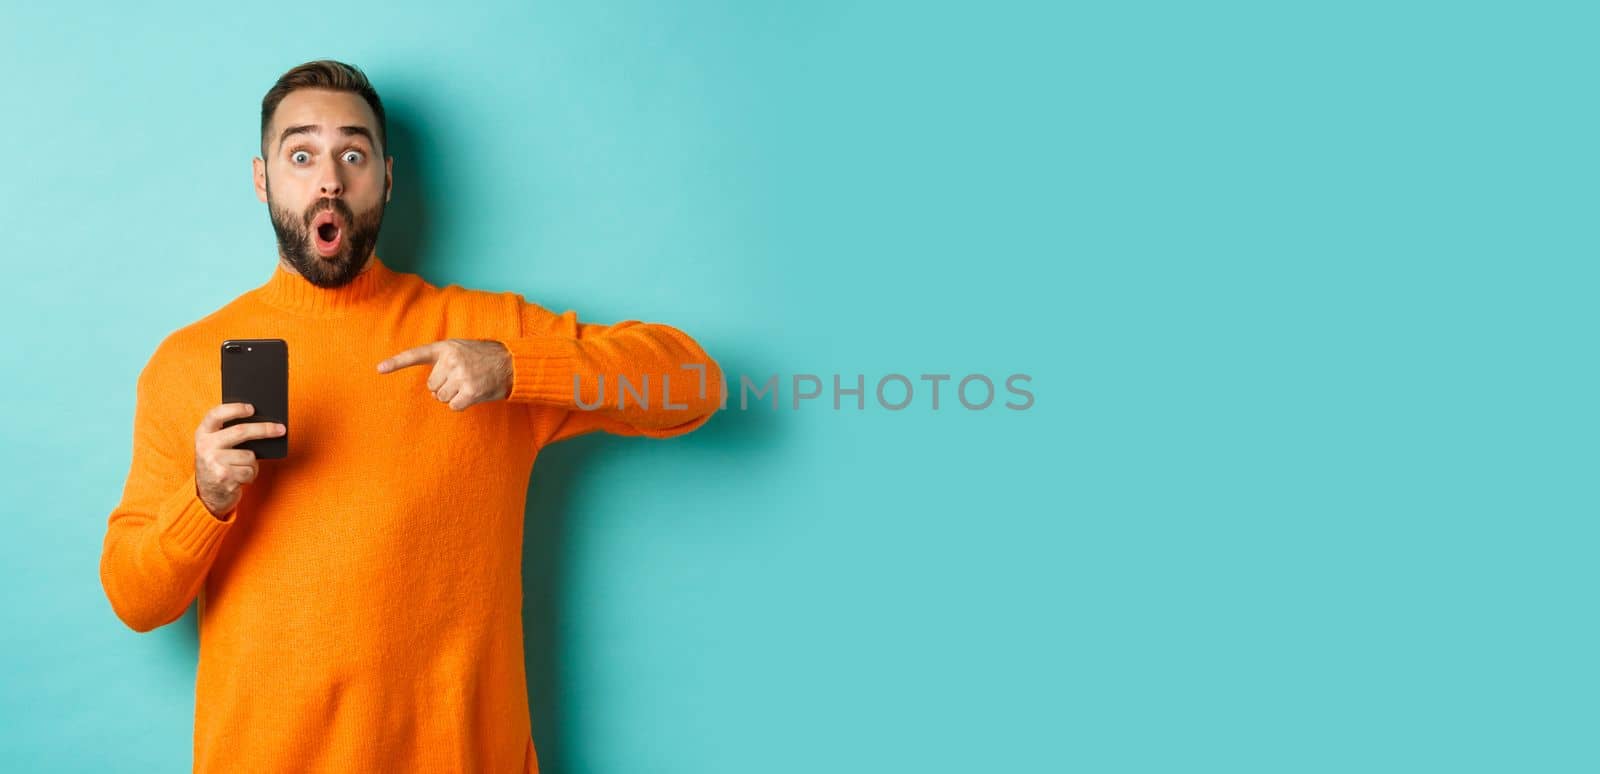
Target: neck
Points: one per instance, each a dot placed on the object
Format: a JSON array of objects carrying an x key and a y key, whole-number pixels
[
  {"x": 288, "y": 291},
  {"x": 289, "y": 267}
]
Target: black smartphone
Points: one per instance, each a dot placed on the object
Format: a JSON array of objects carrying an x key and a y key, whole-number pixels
[{"x": 256, "y": 371}]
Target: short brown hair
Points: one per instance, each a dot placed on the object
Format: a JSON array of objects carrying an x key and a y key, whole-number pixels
[{"x": 324, "y": 74}]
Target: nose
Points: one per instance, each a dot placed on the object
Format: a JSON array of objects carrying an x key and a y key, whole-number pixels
[{"x": 330, "y": 184}]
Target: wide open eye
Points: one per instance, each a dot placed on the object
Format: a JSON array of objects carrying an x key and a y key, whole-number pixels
[
  {"x": 357, "y": 154},
  {"x": 296, "y": 157}
]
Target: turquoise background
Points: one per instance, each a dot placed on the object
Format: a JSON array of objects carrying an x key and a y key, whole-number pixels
[{"x": 1307, "y": 293}]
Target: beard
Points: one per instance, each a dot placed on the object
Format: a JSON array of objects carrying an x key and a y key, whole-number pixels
[{"x": 295, "y": 240}]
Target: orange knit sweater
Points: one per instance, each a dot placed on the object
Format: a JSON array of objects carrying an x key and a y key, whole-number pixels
[{"x": 360, "y": 609}]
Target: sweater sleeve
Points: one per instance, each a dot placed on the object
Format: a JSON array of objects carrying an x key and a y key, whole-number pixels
[
  {"x": 161, "y": 539},
  {"x": 630, "y": 378}
]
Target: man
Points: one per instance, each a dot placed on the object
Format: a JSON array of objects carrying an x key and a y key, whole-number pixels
[{"x": 360, "y": 600}]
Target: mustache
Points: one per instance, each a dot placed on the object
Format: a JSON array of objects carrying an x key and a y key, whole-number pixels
[{"x": 337, "y": 205}]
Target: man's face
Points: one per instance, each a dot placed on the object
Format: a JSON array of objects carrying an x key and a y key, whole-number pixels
[{"x": 324, "y": 183}]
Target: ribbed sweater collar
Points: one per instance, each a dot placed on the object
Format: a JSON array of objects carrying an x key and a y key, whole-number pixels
[{"x": 293, "y": 293}]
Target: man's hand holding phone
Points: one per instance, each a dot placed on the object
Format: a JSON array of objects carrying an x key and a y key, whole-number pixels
[{"x": 221, "y": 471}]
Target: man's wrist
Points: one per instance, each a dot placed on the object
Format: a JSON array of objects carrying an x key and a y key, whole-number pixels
[{"x": 223, "y": 517}]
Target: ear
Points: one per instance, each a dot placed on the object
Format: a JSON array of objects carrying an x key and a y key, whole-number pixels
[
  {"x": 388, "y": 178},
  {"x": 259, "y": 168}
]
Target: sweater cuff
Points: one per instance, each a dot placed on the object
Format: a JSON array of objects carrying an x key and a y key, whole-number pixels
[
  {"x": 187, "y": 526},
  {"x": 542, "y": 368}
]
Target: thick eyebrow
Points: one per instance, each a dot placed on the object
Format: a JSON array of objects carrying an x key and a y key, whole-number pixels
[{"x": 347, "y": 131}]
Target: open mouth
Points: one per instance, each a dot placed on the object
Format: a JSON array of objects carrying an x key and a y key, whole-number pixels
[{"x": 329, "y": 232}]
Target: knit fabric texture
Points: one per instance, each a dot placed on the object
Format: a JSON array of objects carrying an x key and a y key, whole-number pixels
[{"x": 360, "y": 608}]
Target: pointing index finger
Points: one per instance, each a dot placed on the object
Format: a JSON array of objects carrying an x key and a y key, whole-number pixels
[{"x": 414, "y": 356}]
